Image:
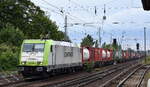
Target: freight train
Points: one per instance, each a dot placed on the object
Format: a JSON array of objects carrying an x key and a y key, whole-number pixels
[{"x": 45, "y": 57}]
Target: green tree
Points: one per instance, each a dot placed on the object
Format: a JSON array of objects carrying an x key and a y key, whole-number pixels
[
  {"x": 107, "y": 46},
  {"x": 8, "y": 57},
  {"x": 111, "y": 46},
  {"x": 30, "y": 19},
  {"x": 11, "y": 36},
  {"x": 21, "y": 19},
  {"x": 10, "y": 41},
  {"x": 87, "y": 41},
  {"x": 103, "y": 45}
]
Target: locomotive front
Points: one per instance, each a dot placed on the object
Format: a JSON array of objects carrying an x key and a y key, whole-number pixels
[{"x": 33, "y": 57}]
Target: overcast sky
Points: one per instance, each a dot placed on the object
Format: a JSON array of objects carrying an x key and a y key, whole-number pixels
[{"x": 123, "y": 18}]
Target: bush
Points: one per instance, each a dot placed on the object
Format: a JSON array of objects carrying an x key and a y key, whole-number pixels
[
  {"x": 8, "y": 60},
  {"x": 8, "y": 57},
  {"x": 146, "y": 60},
  {"x": 11, "y": 36},
  {"x": 10, "y": 41},
  {"x": 88, "y": 66}
]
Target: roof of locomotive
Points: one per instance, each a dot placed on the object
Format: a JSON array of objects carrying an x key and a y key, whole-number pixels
[{"x": 60, "y": 43}]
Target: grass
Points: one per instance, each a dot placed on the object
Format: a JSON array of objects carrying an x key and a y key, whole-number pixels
[
  {"x": 146, "y": 61},
  {"x": 147, "y": 76}
]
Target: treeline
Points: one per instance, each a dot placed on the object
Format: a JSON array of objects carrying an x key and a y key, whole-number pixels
[
  {"x": 21, "y": 19},
  {"x": 89, "y": 41}
]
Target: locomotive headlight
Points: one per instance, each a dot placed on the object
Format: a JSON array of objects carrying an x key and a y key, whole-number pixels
[{"x": 24, "y": 62}]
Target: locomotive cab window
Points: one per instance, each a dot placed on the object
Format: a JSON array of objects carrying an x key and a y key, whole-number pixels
[{"x": 29, "y": 47}]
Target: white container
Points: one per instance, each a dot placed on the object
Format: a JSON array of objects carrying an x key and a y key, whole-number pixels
[
  {"x": 86, "y": 54},
  {"x": 108, "y": 54},
  {"x": 104, "y": 54}
]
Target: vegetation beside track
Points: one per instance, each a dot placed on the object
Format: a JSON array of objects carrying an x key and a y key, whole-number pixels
[
  {"x": 147, "y": 76},
  {"x": 21, "y": 19},
  {"x": 146, "y": 60},
  {"x": 89, "y": 66}
]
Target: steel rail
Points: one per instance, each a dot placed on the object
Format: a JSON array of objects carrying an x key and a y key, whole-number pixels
[{"x": 121, "y": 83}]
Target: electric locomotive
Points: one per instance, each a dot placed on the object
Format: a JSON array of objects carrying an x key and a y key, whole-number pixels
[{"x": 44, "y": 57}]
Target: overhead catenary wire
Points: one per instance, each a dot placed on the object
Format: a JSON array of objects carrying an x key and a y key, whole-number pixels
[
  {"x": 51, "y": 10},
  {"x": 51, "y": 4},
  {"x": 86, "y": 26},
  {"x": 66, "y": 12},
  {"x": 62, "y": 11},
  {"x": 101, "y": 6},
  {"x": 58, "y": 12},
  {"x": 71, "y": 16},
  {"x": 78, "y": 19}
]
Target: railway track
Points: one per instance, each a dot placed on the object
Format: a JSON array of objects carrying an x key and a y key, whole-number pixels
[
  {"x": 77, "y": 81},
  {"x": 37, "y": 81},
  {"x": 135, "y": 78},
  {"x": 131, "y": 77},
  {"x": 7, "y": 78},
  {"x": 85, "y": 80}
]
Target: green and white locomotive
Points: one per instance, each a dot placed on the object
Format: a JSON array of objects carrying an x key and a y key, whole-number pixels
[{"x": 44, "y": 57}]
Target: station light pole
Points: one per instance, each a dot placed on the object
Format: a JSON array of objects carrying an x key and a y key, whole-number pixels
[
  {"x": 65, "y": 27},
  {"x": 145, "y": 42},
  {"x": 102, "y": 26}
]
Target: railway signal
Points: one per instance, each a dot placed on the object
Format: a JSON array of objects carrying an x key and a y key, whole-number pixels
[
  {"x": 137, "y": 46},
  {"x": 146, "y": 4}
]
